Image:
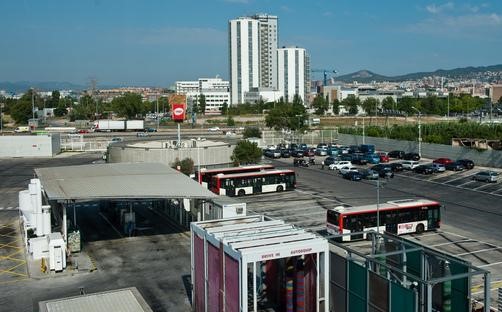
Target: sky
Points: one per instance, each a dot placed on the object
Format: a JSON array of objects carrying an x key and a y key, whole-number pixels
[{"x": 157, "y": 42}]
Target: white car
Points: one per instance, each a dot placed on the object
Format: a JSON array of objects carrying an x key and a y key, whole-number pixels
[
  {"x": 339, "y": 164},
  {"x": 438, "y": 167},
  {"x": 213, "y": 129},
  {"x": 348, "y": 168},
  {"x": 410, "y": 164}
]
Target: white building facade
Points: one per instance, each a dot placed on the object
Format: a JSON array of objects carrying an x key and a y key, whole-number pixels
[
  {"x": 244, "y": 57},
  {"x": 269, "y": 33},
  {"x": 293, "y": 68},
  {"x": 215, "y": 90}
]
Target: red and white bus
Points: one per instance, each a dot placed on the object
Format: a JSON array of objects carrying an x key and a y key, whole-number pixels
[
  {"x": 398, "y": 217},
  {"x": 205, "y": 175},
  {"x": 240, "y": 184}
]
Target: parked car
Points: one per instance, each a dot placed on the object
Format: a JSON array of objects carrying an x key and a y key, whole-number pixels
[
  {"x": 396, "y": 167},
  {"x": 454, "y": 166},
  {"x": 293, "y": 146},
  {"x": 213, "y": 129},
  {"x": 383, "y": 170},
  {"x": 443, "y": 161},
  {"x": 297, "y": 153},
  {"x": 467, "y": 163},
  {"x": 285, "y": 153},
  {"x": 329, "y": 160},
  {"x": 358, "y": 159},
  {"x": 347, "y": 168},
  {"x": 333, "y": 151},
  {"x": 310, "y": 152},
  {"x": 411, "y": 156},
  {"x": 486, "y": 176},
  {"x": 339, "y": 164},
  {"x": 410, "y": 164},
  {"x": 438, "y": 167},
  {"x": 300, "y": 162},
  {"x": 396, "y": 154},
  {"x": 272, "y": 153},
  {"x": 321, "y": 151},
  {"x": 117, "y": 139},
  {"x": 354, "y": 149},
  {"x": 372, "y": 158},
  {"x": 322, "y": 145},
  {"x": 303, "y": 146},
  {"x": 384, "y": 158},
  {"x": 369, "y": 174},
  {"x": 367, "y": 148},
  {"x": 352, "y": 176},
  {"x": 424, "y": 169}
]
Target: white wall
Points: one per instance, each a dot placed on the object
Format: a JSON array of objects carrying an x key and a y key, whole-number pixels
[{"x": 30, "y": 145}]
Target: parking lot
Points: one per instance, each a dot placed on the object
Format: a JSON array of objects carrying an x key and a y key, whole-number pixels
[{"x": 470, "y": 218}]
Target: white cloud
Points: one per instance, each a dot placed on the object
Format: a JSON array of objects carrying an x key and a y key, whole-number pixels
[{"x": 438, "y": 8}]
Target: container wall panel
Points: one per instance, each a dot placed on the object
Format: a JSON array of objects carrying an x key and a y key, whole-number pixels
[
  {"x": 231, "y": 284},
  {"x": 357, "y": 287},
  {"x": 214, "y": 279},
  {"x": 199, "y": 273},
  {"x": 402, "y": 299}
]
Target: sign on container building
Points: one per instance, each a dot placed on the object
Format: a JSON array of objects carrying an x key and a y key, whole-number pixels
[{"x": 178, "y": 107}]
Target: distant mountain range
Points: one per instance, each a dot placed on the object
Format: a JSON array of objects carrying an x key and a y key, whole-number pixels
[
  {"x": 366, "y": 76},
  {"x": 22, "y": 86}
]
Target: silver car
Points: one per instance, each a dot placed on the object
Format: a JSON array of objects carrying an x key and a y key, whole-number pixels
[{"x": 486, "y": 176}]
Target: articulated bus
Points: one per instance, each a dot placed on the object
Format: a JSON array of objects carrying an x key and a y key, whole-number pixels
[
  {"x": 205, "y": 175},
  {"x": 398, "y": 217},
  {"x": 240, "y": 184}
]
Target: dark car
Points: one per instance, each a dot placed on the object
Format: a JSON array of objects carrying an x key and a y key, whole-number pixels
[
  {"x": 285, "y": 153},
  {"x": 384, "y": 170},
  {"x": 354, "y": 149},
  {"x": 396, "y": 154},
  {"x": 454, "y": 166},
  {"x": 310, "y": 152},
  {"x": 369, "y": 174},
  {"x": 352, "y": 175},
  {"x": 150, "y": 130},
  {"x": 329, "y": 161},
  {"x": 467, "y": 163},
  {"x": 396, "y": 167},
  {"x": 322, "y": 145},
  {"x": 297, "y": 153},
  {"x": 303, "y": 146},
  {"x": 358, "y": 159},
  {"x": 293, "y": 146},
  {"x": 411, "y": 156},
  {"x": 424, "y": 169},
  {"x": 300, "y": 162}
]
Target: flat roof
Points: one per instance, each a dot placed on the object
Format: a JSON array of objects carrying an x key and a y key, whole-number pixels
[
  {"x": 250, "y": 167},
  {"x": 256, "y": 173},
  {"x": 120, "y": 300},
  {"x": 118, "y": 181}
]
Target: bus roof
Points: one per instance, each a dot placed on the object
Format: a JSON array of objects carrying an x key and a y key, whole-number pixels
[
  {"x": 257, "y": 173},
  {"x": 390, "y": 205},
  {"x": 251, "y": 167}
]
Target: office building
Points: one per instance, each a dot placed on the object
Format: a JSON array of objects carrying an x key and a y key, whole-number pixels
[
  {"x": 215, "y": 90},
  {"x": 268, "y": 49},
  {"x": 293, "y": 67}
]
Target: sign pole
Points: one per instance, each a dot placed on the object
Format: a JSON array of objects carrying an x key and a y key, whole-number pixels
[{"x": 179, "y": 134}]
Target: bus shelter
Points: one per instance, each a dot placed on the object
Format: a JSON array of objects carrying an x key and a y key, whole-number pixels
[
  {"x": 391, "y": 273},
  {"x": 255, "y": 263}
]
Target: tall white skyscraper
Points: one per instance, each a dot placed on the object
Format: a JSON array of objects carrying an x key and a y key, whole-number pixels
[
  {"x": 244, "y": 52},
  {"x": 268, "y": 50},
  {"x": 293, "y": 72}
]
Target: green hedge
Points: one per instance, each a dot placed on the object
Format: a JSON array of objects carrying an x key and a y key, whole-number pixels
[{"x": 439, "y": 133}]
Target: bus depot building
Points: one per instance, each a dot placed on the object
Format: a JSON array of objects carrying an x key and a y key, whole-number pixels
[{"x": 255, "y": 263}]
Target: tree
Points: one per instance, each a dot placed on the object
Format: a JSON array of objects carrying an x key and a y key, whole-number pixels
[
  {"x": 287, "y": 116},
  {"x": 351, "y": 103},
  {"x": 129, "y": 105},
  {"x": 336, "y": 106},
  {"x": 230, "y": 121},
  {"x": 54, "y": 100},
  {"x": 185, "y": 166},
  {"x": 320, "y": 105},
  {"x": 22, "y": 110},
  {"x": 500, "y": 100},
  {"x": 297, "y": 100},
  {"x": 251, "y": 132},
  {"x": 389, "y": 103},
  {"x": 224, "y": 108},
  {"x": 370, "y": 105},
  {"x": 246, "y": 153},
  {"x": 202, "y": 104}
]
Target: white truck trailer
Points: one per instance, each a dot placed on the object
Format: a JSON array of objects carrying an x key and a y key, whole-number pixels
[
  {"x": 135, "y": 125},
  {"x": 106, "y": 125}
]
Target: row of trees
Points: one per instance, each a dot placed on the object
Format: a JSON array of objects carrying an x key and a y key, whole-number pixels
[
  {"x": 431, "y": 105},
  {"x": 285, "y": 115},
  {"x": 129, "y": 105}
]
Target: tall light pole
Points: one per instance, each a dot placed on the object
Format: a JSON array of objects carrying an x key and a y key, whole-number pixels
[
  {"x": 419, "y": 132},
  {"x": 157, "y": 113},
  {"x": 1, "y": 117},
  {"x": 448, "y": 105},
  {"x": 364, "y": 134},
  {"x": 33, "y": 103}
]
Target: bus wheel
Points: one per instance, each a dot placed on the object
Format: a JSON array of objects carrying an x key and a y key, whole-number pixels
[
  {"x": 241, "y": 193},
  {"x": 420, "y": 228},
  {"x": 280, "y": 188}
]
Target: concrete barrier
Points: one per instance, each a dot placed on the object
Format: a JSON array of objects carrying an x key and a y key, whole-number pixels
[{"x": 30, "y": 145}]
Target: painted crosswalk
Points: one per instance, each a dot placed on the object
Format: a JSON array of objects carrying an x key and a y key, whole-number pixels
[{"x": 8, "y": 208}]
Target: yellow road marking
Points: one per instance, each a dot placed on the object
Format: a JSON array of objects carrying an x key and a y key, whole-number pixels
[
  {"x": 12, "y": 259},
  {"x": 16, "y": 266},
  {"x": 14, "y": 273}
]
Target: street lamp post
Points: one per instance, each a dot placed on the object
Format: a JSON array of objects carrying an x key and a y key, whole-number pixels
[
  {"x": 33, "y": 103},
  {"x": 1, "y": 117},
  {"x": 448, "y": 105},
  {"x": 419, "y": 131},
  {"x": 364, "y": 132}
]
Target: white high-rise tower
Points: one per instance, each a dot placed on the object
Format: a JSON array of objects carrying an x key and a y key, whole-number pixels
[
  {"x": 268, "y": 50},
  {"x": 293, "y": 72},
  {"x": 244, "y": 55}
]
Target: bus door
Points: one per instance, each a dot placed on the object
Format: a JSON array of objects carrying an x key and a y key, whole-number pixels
[
  {"x": 355, "y": 225},
  {"x": 257, "y": 184},
  {"x": 390, "y": 221},
  {"x": 432, "y": 217}
]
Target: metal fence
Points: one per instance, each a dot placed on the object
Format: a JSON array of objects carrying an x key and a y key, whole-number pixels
[
  {"x": 313, "y": 137},
  {"x": 76, "y": 143}
]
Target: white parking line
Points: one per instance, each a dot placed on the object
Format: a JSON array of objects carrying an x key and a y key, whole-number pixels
[
  {"x": 455, "y": 242},
  {"x": 477, "y": 251},
  {"x": 8, "y": 208},
  {"x": 489, "y": 264}
]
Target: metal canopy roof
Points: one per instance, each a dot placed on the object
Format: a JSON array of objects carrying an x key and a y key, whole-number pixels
[
  {"x": 118, "y": 181},
  {"x": 121, "y": 300}
]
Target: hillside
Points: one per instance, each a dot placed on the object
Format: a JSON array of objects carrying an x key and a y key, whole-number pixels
[{"x": 365, "y": 76}]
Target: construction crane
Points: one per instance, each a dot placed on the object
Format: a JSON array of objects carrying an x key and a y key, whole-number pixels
[{"x": 325, "y": 73}]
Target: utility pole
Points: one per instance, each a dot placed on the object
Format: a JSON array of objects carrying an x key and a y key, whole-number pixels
[
  {"x": 33, "y": 103},
  {"x": 364, "y": 134},
  {"x": 157, "y": 114},
  {"x": 448, "y": 105},
  {"x": 1, "y": 117},
  {"x": 419, "y": 131}
]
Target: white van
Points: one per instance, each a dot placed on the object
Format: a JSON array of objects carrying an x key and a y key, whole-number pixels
[{"x": 22, "y": 129}]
